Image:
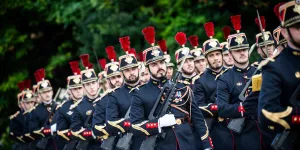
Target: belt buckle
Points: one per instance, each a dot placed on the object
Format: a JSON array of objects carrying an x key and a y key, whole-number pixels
[{"x": 178, "y": 121}]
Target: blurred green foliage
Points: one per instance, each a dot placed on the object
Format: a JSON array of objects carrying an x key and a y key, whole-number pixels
[{"x": 50, "y": 33}]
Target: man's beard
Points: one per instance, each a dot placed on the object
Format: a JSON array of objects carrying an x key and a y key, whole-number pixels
[
  {"x": 188, "y": 73},
  {"x": 162, "y": 76},
  {"x": 130, "y": 81},
  {"x": 215, "y": 68}
]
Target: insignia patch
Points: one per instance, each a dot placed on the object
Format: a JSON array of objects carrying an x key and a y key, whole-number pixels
[
  {"x": 70, "y": 113},
  {"x": 89, "y": 112},
  {"x": 114, "y": 67},
  {"x": 266, "y": 36},
  {"x": 88, "y": 74},
  {"x": 28, "y": 95},
  {"x": 155, "y": 52},
  {"x": 239, "y": 39},
  {"x": 297, "y": 74},
  {"x": 44, "y": 84},
  {"x": 297, "y": 9},
  {"x": 213, "y": 43},
  {"x": 296, "y": 53},
  {"x": 76, "y": 80},
  {"x": 239, "y": 83},
  {"x": 128, "y": 59}
]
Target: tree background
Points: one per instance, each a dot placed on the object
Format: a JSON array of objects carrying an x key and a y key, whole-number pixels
[{"x": 49, "y": 33}]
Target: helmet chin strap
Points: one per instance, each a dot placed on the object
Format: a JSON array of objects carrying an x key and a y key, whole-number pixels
[
  {"x": 73, "y": 97},
  {"x": 90, "y": 96}
]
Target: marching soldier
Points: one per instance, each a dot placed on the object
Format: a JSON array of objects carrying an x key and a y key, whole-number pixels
[
  {"x": 119, "y": 101},
  {"x": 115, "y": 80},
  {"x": 279, "y": 95},
  {"x": 227, "y": 58},
  {"x": 81, "y": 127},
  {"x": 199, "y": 59},
  {"x": 241, "y": 121},
  {"x": 205, "y": 90},
  {"x": 172, "y": 130},
  {"x": 281, "y": 42},
  {"x": 144, "y": 71},
  {"x": 102, "y": 76},
  {"x": 63, "y": 112},
  {"x": 42, "y": 115},
  {"x": 170, "y": 70}
]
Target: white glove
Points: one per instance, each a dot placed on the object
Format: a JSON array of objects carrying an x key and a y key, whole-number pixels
[
  {"x": 53, "y": 128},
  {"x": 166, "y": 121}
]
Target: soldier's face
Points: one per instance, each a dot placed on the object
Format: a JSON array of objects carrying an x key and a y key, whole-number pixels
[
  {"x": 170, "y": 71},
  {"x": 262, "y": 51},
  {"x": 104, "y": 85},
  {"x": 215, "y": 60},
  {"x": 131, "y": 75},
  {"x": 116, "y": 81},
  {"x": 228, "y": 61},
  {"x": 188, "y": 66},
  {"x": 28, "y": 105},
  {"x": 77, "y": 92},
  {"x": 91, "y": 88},
  {"x": 241, "y": 56},
  {"x": 200, "y": 65},
  {"x": 295, "y": 33},
  {"x": 158, "y": 69},
  {"x": 145, "y": 76},
  {"x": 46, "y": 96},
  {"x": 38, "y": 99}
]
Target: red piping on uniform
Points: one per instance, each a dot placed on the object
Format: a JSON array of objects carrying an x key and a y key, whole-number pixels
[
  {"x": 260, "y": 137},
  {"x": 177, "y": 142},
  {"x": 232, "y": 137}
]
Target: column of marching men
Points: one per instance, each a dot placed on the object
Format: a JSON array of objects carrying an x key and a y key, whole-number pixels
[{"x": 219, "y": 100}]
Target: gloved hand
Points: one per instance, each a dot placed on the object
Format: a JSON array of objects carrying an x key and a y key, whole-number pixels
[{"x": 166, "y": 121}]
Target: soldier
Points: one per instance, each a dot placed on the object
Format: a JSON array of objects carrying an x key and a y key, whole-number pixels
[
  {"x": 199, "y": 59},
  {"x": 281, "y": 42},
  {"x": 278, "y": 103},
  {"x": 242, "y": 122},
  {"x": 115, "y": 80},
  {"x": 205, "y": 89},
  {"x": 227, "y": 58},
  {"x": 102, "y": 76},
  {"x": 81, "y": 127},
  {"x": 170, "y": 70},
  {"x": 118, "y": 103},
  {"x": 144, "y": 72},
  {"x": 41, "y": 116},
  {"x": 63, "y": 112},
  {"x": 172, "y": 130}
]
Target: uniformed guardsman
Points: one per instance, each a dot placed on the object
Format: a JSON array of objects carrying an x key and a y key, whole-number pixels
[
  {"x": 278, "y": 109},
  {"x": 81, "y": 126},
  {"x": 16, "y": 124},
  {"x": 102, "y": 77},
  {"x": 34, "y": 89},
  {"x": 170, "y": 70},
  {"x": 241, "y": 121},
  {"x": 227, "y": 58},
  {"x": 280, "y": 41},
  {"x": 264, "y": 48},
  {"x": 42, "y": 115},
  {"x": 144, "y": 71},
  {"x": 63, "y": 112},
  {"x": 115, "y": 80},
  {"x": 173, "y": 130},
  {"x": 205, "y": 90},
  {"x": 118, "y": 103},
  {"x": 199, "y": 58}
]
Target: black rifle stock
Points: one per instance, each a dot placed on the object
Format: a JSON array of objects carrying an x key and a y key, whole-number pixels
[{"x": 125, "y": 141}]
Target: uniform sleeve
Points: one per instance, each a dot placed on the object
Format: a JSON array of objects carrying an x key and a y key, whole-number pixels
[
  {"x": 98, "y": 122},
  {"x": 140, "y": 124},
  {"x": 76, "y": 121},
  {"x": 199, "y": 94},
  {"x": 225, "y": 109},
  {"x": 200, "y": 125},
  {"x": 34, "y": 121},
  {"x": 61, "y": 120},
  {"x": 271, "y": 111},
  {"x": 114, "y": 123}
]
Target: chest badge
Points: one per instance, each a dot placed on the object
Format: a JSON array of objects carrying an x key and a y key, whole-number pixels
[
  {"x": 297, "y": 74},
  {"x": 70, "y": 113},
  {"x": 89, "y": 112},
  {"x": 239, "y": 83}
]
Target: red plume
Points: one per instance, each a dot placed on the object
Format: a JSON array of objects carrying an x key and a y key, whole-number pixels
[
  {"x": 180, "y": 38},
  {"x": 102, "y": 63},
  {"x": 85, "y": 60},
  {"x": 210, "y": 29},
  {"x": 111, "y": 54},
  {"x": 236, "y": 22},
  {"x": 163, "y": 45},
  {"x": 21, "y": 86},
  {"x": 90, "y": 66},
  {"x": 132, "y": 51},
  {"x": 37, "y": 77},
  {"x": 263, "y": 22},
  {"x": 141, "y": 57},
  {"x": 27, "y": 84},
  {"x": 41, "y": 72},
  {"x": 194, "y": 41},
  {"x": 276, "y": 9},
  {"x": 149, "y": 35},
  {"x": 75, "y": 68},
  {"x": 125, "y": 43},
  {"x": 226, "y": 32}
]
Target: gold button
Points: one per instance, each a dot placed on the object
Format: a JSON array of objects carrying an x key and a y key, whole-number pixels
[
  {"x": 178, "y": 121},
  {"x": 297, "y": 74}
]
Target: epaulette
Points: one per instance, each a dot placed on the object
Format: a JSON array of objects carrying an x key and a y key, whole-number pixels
[
  {"x": 196, "y": 77},
  {"x": 14, "y": 115},
  {"x": 267, "y": 60},
  {"x": 222, "y": 72},
  {"x": 137, "y": 87},
  {"x": 60, "y": 105},
  {"x": 105, "y": 93},
  {"x": 184, "y": 82},
  {"x": 75, "y": 104}
]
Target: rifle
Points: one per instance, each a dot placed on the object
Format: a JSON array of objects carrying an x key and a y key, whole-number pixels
[
  {"x": 125, "y": 141},
  {"x": 286, "y": 139},
  {"x": 83, "y": 145}
]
